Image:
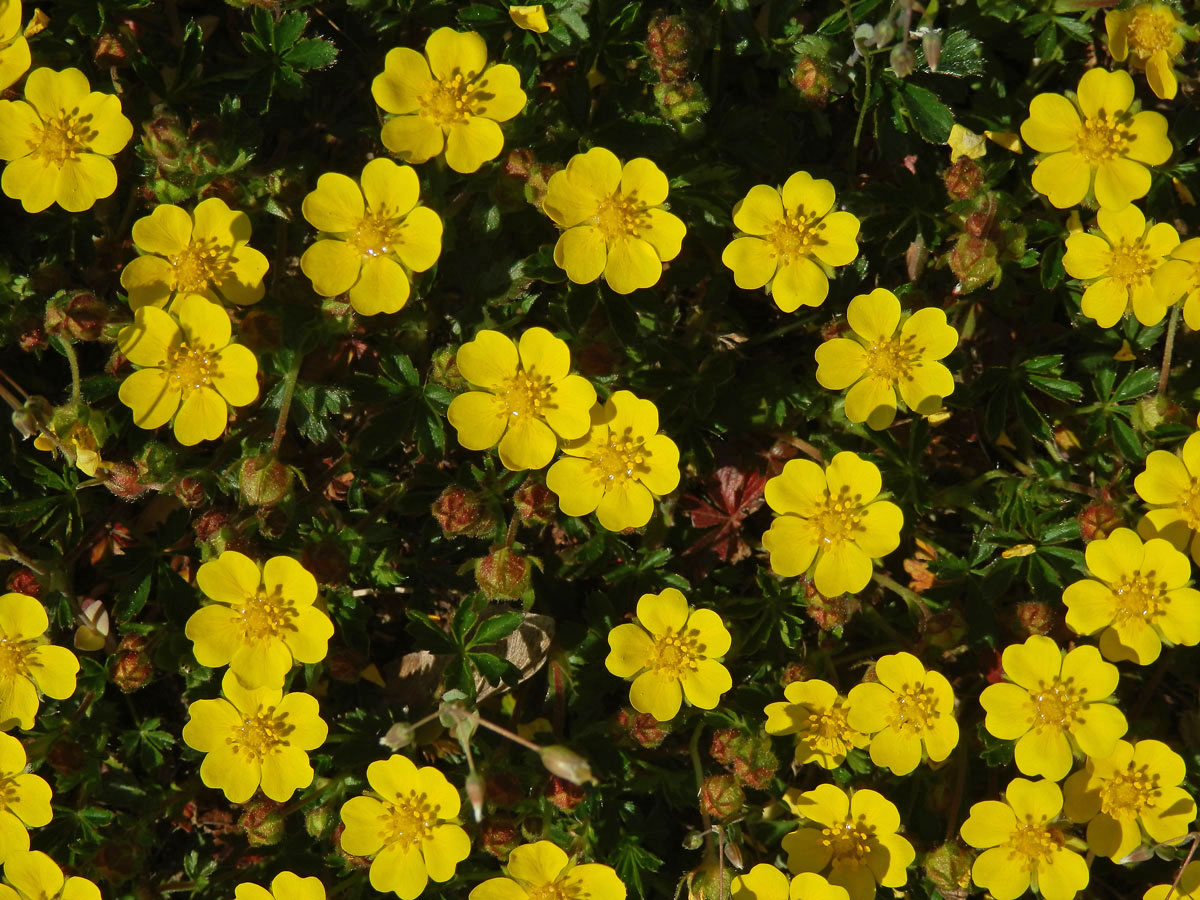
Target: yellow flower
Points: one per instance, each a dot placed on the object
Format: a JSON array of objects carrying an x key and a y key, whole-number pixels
[
  {"x": 1022, "y": 845},
  {"x": 284, "y": 886},
  {"x": 1122, "y": 265},
  {"x": 817, "y": 715},
  {"x": 906, "y": 708},
  {"x": 1171, "y": 487},
  {"x": 1094, "y": 143},
  {"x": 24, "y": 799},
  {"x": 83, "y": 441},
  {"x": 1187, "y": 889},
  {"x": 1136, "y": 598},
  {"x": 852, "y": 840},
  {"x": 881, "y": 361},
  {"x": 187, "y": 365},
  {"x": 528, "y": 397},
  {"x": 57, "y": 139},
  {"x": 449, "y": 99},
  {"x": 614, "y": 221},
  {"x": 205, "y": 253},
  {"x": 765, "y": 882},
  {"x": 1134, "y": 790},
  {"x": 28, "y": 663},
  {"x": 964, "y": 142},
  {"x": 1149, "y": 36},
  {"x": 672, "y": 653},
  {"x": 791, "y": 241},
  {"x": 830, "y": 522},
  {"x": 375, "y": 236},
  {"x": 1179, "y": 277},
  {"x": 618, "y": 467},
  {"x": 255, "y": 737},
  {"x": 32, "y": 875},
  {"x": 261, "y": 622},
  {"x": 542, "y": 870},
  {"x": 1052, "y": 704},
  {"x": 531, "y": 18},
  {"x": 14, "y": 49},
  {"x": 406, "y": 828}
]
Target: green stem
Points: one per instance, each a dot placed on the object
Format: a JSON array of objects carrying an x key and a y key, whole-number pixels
[
  {"x": 285, "y": 405},
  {"x": 862, "y": 112},
  {"x": 911, "y": 598},
  {"x": 698, "y": 770},
  {"x": 1165, "y": 372},
  {"x": 73, "y": 362}
]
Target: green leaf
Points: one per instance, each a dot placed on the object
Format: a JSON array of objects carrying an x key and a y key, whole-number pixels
[
  {"x": 494, "y": 669},
  {"x": 929, "y": 115},
  {"x": 496, "y": 628},
  {"x": 289, "y": 27},
  {"x": 961, "y": 55},
  {"x": 1058, "y": 388},
  {"x": 311, "y": 53},
  {"x": 1135, "y": 384},
  {"x": 1126, "y": 439},
  {"x": 478, "y": 14},
  {"x": 574, "y": 21},
  {"x": 129, "y": 605}
]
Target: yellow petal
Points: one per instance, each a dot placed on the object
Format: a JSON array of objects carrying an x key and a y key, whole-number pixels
[
  {"x": 632, "y": 264},
  {"x": 382, "y": 287},
  {"x": 759, "y": 211},
  {"x": 1063, "y": 177},
  {"x": 473, "y": 142},
  {"x": 453, "y": 53},
  {"x": 581, "y": 253},
  {"x": 752, "y": 260},
  {"x": 19, "y": 128},
  {"x": 405, "y": 78},
  {"x": 527, "y": 444},
  {"x": 336, "y": 205},
  {"x": 538, "y": 864},
  {"x": 664, "y": 232},
  {"x": 704, "y": 685},
  {"x": 837, "y": 239},
  {"x": 799, "y": 283},
  {"x": 152, "y": 338},
  {"x": 872, "y": 400},
  {"x": 497, "y": 93},
  {"x": 108, "y": 129},
  {"x": 413, "y": 138},
  {"x": 489, "y": 361},
  {"x": 54, "y": 93},
  {"x": 236, "y": 375},
  {"x": 805, "y": 194},
  {"x": 656, "y": 694},
  {"x": 1160, "y": 76},
  {"x": 531, "y": 18},
  {"x": 642, "y": 178},
  {"x": 625, "y": 505},
  {"x": 1087, "y": 256},
  {"x": 167, "y": 231},
  {"x": 150, "y": 396},
  {"x": 390, "y": 190},
  {"x": 1053, "y": 124},
  {"x": 419, "y": 239},
  {"x": 1149, "y": 143},
  {"x": 83, "y": 181},
  {"x": 792, "y": 545},
  {"x": 1120, "y": 181},
  {"x": 576, "y": 486},
  {"x": 202, "y": 416},
  {"x": 842, "y": 569},
  {"x": 204, "y": 324},
  {"x": 1101, "y": 91},
  {"x": 15, "y": 58},
  {"x": 53, "y": 669},
  {"x": 148, "y": 280},
  {"x": 332, "y": 266}
]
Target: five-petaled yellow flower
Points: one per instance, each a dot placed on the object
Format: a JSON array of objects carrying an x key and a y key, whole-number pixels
[
  {"x": 618, "y": 467},
  {"x": 284, "y": 886},
  {"x": 1150, "y": 36},
  {"x": 830, "y": 522},
  {"x": 1023, "y": 844},
  {"x": 189, "y": 366},
  {"x": 1179, "y": 277},
  {"x": 1052, "y": 704},
  {"x": 671, "y": 654},
  {"x": 1122, "y": 265},
  {"x": 449, "y": 99},
  {"x": 791, "y": 241},
  {"x": 906, "y": 708},
  {"x": 374, "y": 236},
  {"x": 881, "y": 361},
  {"x": 1188, "y": 887},
  {"x": 1094, "y": 143},
  {"x": 614, "y": 222},
  {"x": 852, "y": 841},
  {"x": 818, "y": 716},
  {"x": 28, "y": 663},
  {"x": 261, "y": 621},
  {"x": 407, "y": 827},
  {"x": 24, "y": 799},
  {"x": 203, "y": 253},
  {"x": 1136, "y": 598},
  {"x": 542, "y": 871},
  {"x": 529, "y": 400},
  {"x": 764, "y": 882},
  {"x": 32, "y": 875},
  {"x": 255, "y": 737},
  {"x": 1170, "y": 485},
  {"x": 57, "y": 141},
  {"x": 81, "y": 440},
  {"x": 1135, "y": 790},
  {"x": 14, "y": 48}
]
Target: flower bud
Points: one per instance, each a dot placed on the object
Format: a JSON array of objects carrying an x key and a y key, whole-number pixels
[
  {"x": 642, "y": 728},
  {"x": 829, "y": 612},
  {"x": 1033, "y": 617},
  {"x": 681, "y": 102},
  {"x": 499, "y": 836},
  {"x": 460, "y": 511},
  {"x": 902, "y": 60},
  {"x": 563, "y": 794},
  {"x": 190, "y": 491},
  {"x": 931, "y": 44},
  {"x": 317, "y": 821},
  {"x": 973, "y": 261},
  {"x": 535, "y": 504},
  {"x": 122, "y": 480},
  {"x": 964, "y": 179},
  {"x": 670, "y": 41},
  {"x": 476, "y": 791},
  {"x": 262, "y": 822},
  {"x": 1097, "y": 520},
  {"x": 748, "y": 756},
  {"x": 132, "y": 668},
  {"x": 503, "y": 575},
  {"x": 813, "y": 80},
  {"x": 566, "y": 763},
  {"x": 711, "y": 881},
  {"x": 398, "y": 736},
  {"x": 264, "y": 480},
  {"x": 443, "y": 369},
  {"x": 949, "y": 868},
  {"x": 23, "y": 581},
  {"x": 76, "y": 315},
  {"x": 883, "y": 33}
]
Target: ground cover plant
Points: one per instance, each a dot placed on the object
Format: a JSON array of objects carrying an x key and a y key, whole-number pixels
[{"x": 599, "y": 450}]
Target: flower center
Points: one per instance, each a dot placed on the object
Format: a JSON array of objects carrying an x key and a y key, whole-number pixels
[
  {"x": 260, "y": 734},
  {"x": 263, "y": 616},
  {"x": 1129, "y": 263},
  {"x": 839, "y": 518},
  {"x": 375, "y": 235},
  {"x": 1150, "y": 30},
  {"x": 407, "y": 821},
  {"x": 552, "y": 891},
  {"x": 1139, "y": 598},
  {"x": 447, "y": 102},
  {"x": 850, "y": 842},
  {"x": 8, "y": 792},
  {"x": 914, "y": 708},
  {"x": 675, "y": 653},
  {"x": 200, "y": 264},
  {"x": 1189, "y": 505},
  {"x": 63, "y": 139},
  {"x": 190, "y": 368},
  {"x": 14, "y": 656},
  {"x": 527, "y": 394},
  {"x": 622, "y": 459},
  {"x": 829, "y": 725},
  {"x": 620, "y": 216},
  {"x": 1105, "y": 137},
  {"x": 893, "y": 358},
  {"x": 1128, "y": 794},
  {"x": 795, "y": 234},
  {"x": 1057, "y": 705},
  {"x": 1032, "y": 844}
]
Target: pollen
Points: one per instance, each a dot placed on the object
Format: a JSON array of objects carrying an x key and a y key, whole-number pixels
[
  {"x": 1129, "y": 793},
  {"x": 407, "y": 820},
  {"x": 675, "y": 653},
  {"x": 1033, "y": 844},
  {"x": 191, "y": 368},
  {"x": 1130, "y": 264},
  {"x": 914, "y": 709},
  {"x": 620, "y": 216},
  {"x": 850, "y": 842},
  {"x": 1151, "y": 29},
  {"x": 893, "y": 358},
  {"x": 200, "y": 265},
  {"x": 622, "y": 459},
  {"x": 264, "y": 616},
  {"x": 447, "y": 102},
  {"x": 260, "y": 735},
  {"x": 377, "y": 234},
  {"x": 794, "y": 236},
  {"x": 63, "y": 139},
  {"x": 14, "y": 658},
  {"x": 527, "y": 394},
  {"x": 1140, "y": 598},
  {"x": 1056, "y": 705},
  {"x": 839, "y": 519},
  {"x": 1104, "y": 137}
]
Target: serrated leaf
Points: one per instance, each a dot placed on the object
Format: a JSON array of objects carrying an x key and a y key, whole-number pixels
[
  {"x": 574, "y": 21},
  {"x": 1126, "y": 439},
  {"x": 930, "y": 116},
  {"x": 495, "y": 669},
  {"x": 1058, "y": 388},
  {"x": 311, "y": 53}
]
